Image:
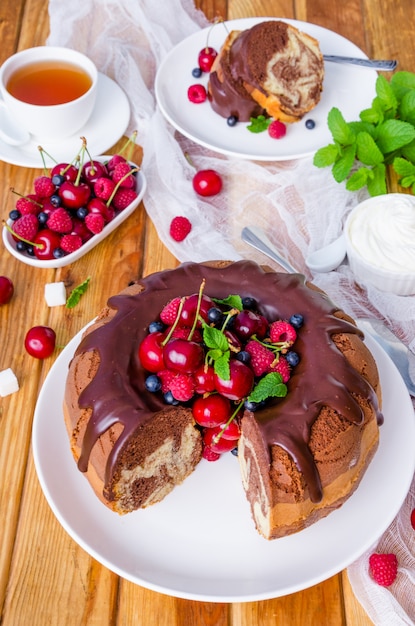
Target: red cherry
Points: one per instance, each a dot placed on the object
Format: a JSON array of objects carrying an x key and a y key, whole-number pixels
[
  {"x": 190, "y": 306},
  {"x": 96, "y": 205},
  {"x": 74, "y": 196},
  {"x": 239, "y": 384},
  {"x": 207, "y": 183},
  {"x": 413, "y": 519},
  {"x": 183, "y": 356},
  {"x": 211, "y": 411},
  {"x": 92, "y": 170},
  {"x": 69, "y": 172},
  {"x": 206, "y": 58},
  {"x": 46, "y": 241},
  {"x": 6, "y": 290},
  {"x": 224, "y": 442},
  {"x": 79, "y": 228},
  {"x": 40, "y": 341},
  {"x": 150, "y": 352},
  {"x": 204, "y": 378},
  {"x": 248, "y": 323}
]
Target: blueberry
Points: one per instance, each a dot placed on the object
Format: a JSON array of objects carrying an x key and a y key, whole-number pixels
[
  {"x": 296, "y": 320},
  {"x": 293, "y": 358},
  {"x": 156, "y": 327},
  {"x": 197, "y": 72},
  {"x": 153, "y": 383},
  {"x": 21, "y": 246},
  {"x": 55, "y": 200},
  {"x": 82, "y": 212},
  {"x": 42, "y": 217},
  {"x": 235, "y": 451},
  {"x": 310, "y": 124},
  {"x": 215, "y": 315},
  {"x": 15, "y": 214},
  {"x": 30, "y": 250},
  {"x": 243, "y": 356},
  {"x": 170, "y": 399},
  {"x": 58, "y": 253},
  {"x": 232, "y": 120},
  {"x": 250, "y": 406},
  {"x": 58, "y": 179},
  {"x": 249, "y": 303}
]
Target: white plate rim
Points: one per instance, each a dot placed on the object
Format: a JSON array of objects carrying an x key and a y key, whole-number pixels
[
  {"x": 217, "y": 590},
  {"x": 180, "y": 113},
  {"x": 102, "y": 130},
  {"x": 10, "y": 245}
]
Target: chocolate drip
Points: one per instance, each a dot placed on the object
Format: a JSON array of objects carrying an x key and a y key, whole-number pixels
[{"x": 323, "y": 377}]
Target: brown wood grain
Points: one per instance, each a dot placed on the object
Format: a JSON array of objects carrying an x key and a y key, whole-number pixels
[{"x": 45, "y": 577}]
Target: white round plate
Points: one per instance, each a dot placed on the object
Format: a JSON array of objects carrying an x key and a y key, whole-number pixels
[
  {"x": 106, "y": 125},
  {"x": 10, "y": 243},
  {"x": 350, "y": 88},
  {"x": 200, "y": 542}
]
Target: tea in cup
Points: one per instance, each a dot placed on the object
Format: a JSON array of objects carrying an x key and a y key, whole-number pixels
[{"x": 47, "y": 91}]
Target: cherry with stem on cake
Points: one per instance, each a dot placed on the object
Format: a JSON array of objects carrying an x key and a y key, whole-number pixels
[
  {"x": 150, "y": 352},
  {"x": 182, "y": 355},
  {"x": 239, "y": 384},
  {"x": 6, "y": 290},
  {"x": 212, "y": 410},
  {"x": 40, "y": 341}
]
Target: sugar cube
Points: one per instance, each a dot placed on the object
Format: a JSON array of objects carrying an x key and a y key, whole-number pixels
[
  {"x": 8, "y": 382},
  {"x": 55, "y": 294}
]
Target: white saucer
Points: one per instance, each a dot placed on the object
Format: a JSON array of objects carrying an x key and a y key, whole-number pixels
[{"x": 106, "y": 125}]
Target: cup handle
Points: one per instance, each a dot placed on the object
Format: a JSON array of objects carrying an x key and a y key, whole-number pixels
[{"x": 10, "y": 131}]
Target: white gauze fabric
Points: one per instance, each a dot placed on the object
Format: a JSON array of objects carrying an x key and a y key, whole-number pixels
[{"x": 299, "y": 206}]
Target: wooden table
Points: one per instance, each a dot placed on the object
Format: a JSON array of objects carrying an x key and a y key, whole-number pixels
[{"x": 45, "y": 577}]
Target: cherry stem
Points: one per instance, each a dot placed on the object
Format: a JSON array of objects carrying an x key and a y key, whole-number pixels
[
  {"x": 189, "y": 160},
  {"x": 130, "y": 143},
  {"x": 118, "y": 185},
  {"x": 199, "y": 302},
  {"x": 176, "y": 321},
  {"x": 12, "y": 189},
  {"x": 230, "y": 420},
  {"x": 30, "y": 243}
]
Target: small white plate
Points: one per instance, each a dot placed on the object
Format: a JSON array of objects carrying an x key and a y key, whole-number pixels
[
  {"x": 107, "y": 124},
  {"x": 348, "y": 87},
  {"x": 10, "y": 243},
  {"x": 200, "y": 542}
]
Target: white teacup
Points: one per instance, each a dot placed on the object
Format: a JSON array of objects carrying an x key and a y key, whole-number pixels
[{"x": 45, "y": 121}]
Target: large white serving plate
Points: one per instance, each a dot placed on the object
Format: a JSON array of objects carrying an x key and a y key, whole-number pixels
[
  {"x": 348, "y": 87},
  {"x": 200, "y": 542}
]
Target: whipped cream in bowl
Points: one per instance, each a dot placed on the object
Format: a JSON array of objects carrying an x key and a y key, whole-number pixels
[{"x": 380, "y": 242}]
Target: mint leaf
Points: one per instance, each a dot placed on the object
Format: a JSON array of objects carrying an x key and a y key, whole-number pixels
[
  {"x": 221, "y": 366},
  {"x": 394, "y": 134},
  {"x": 358, "y": 179},
  {"x": 326, "y": 156},
  {"x": 367, "y": 151},
  {"x": 408, "y": 151},
  {"x": 259, "y": 124},
  {"x": 386, "y": 95},
  {"x": 214, "y": 338},
  {"x": 407, "y": 107},
  {"x": 341, "y": 131},
  {"x": 406, "y": 170},
  {"x": 234, "y": 302},
  {"x": 76, "y": 294},
  {"x": 374, "y": 115},
  {"x": 376, "y": 183},
  {"x": 401, "y": 82},
  {"x": 341, "y": 169},
  {"x": 270, "y": 386}
]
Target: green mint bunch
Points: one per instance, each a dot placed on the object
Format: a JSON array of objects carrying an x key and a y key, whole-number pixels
[{"x": 384, "y": 135}]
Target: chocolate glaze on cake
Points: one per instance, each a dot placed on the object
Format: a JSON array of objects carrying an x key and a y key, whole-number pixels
[
  {"x": 271, "y": 68},
  {"x": 116, "y": 393}
]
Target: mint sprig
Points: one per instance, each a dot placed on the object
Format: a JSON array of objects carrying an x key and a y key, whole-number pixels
[
  {"x": 219, "y": 352},
  {"x": 270, "y": 386},
  {"x": 259, "y": 124},
  {"x": 75, "y": 295},
  {"x": 384, "y": 135}
]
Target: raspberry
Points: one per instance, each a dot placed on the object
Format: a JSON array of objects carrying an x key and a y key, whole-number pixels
[
  {"x": 60, "y": 221},
  {"x": 121, "y": 174},
  {"x": 183, "y": 332},
  {"x": 383, "y": 568},
  {"x": 169, "y": 312},
  {"x": 26, "y": 227},
  {"x": 103, "y": 188},
  {"x": 123, "y": 198},
  {"x": 180, "y": 227},
  {"x": 43, "y": 186},
  {"x": 281, "y": 366},
  {"x": 28, "y": 204},
  {"x": 114, "y": 160},
  {"x": 182, "y": 387},
  {"x": 209, "y": 455},
  {"x": 197, "y": 94},
  {"x": 261, "y": 357},
  {"x": 282, "y": 332},
  {"x": 94, "y": 222},
  {"x": 70, "y": 243},
  {"x": 413, "y": 519},
  {"x": 277, "y": 129}
]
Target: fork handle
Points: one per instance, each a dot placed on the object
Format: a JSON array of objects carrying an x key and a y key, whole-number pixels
[{"x": 374, "y": 64}]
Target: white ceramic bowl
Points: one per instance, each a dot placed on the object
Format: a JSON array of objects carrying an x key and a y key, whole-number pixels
[
  {"x": 10, "y": 243},
  {"x": 380, "y": 243}
]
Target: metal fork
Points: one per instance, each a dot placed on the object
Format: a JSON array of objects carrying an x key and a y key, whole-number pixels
[{"x": 374, "y": 64}]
